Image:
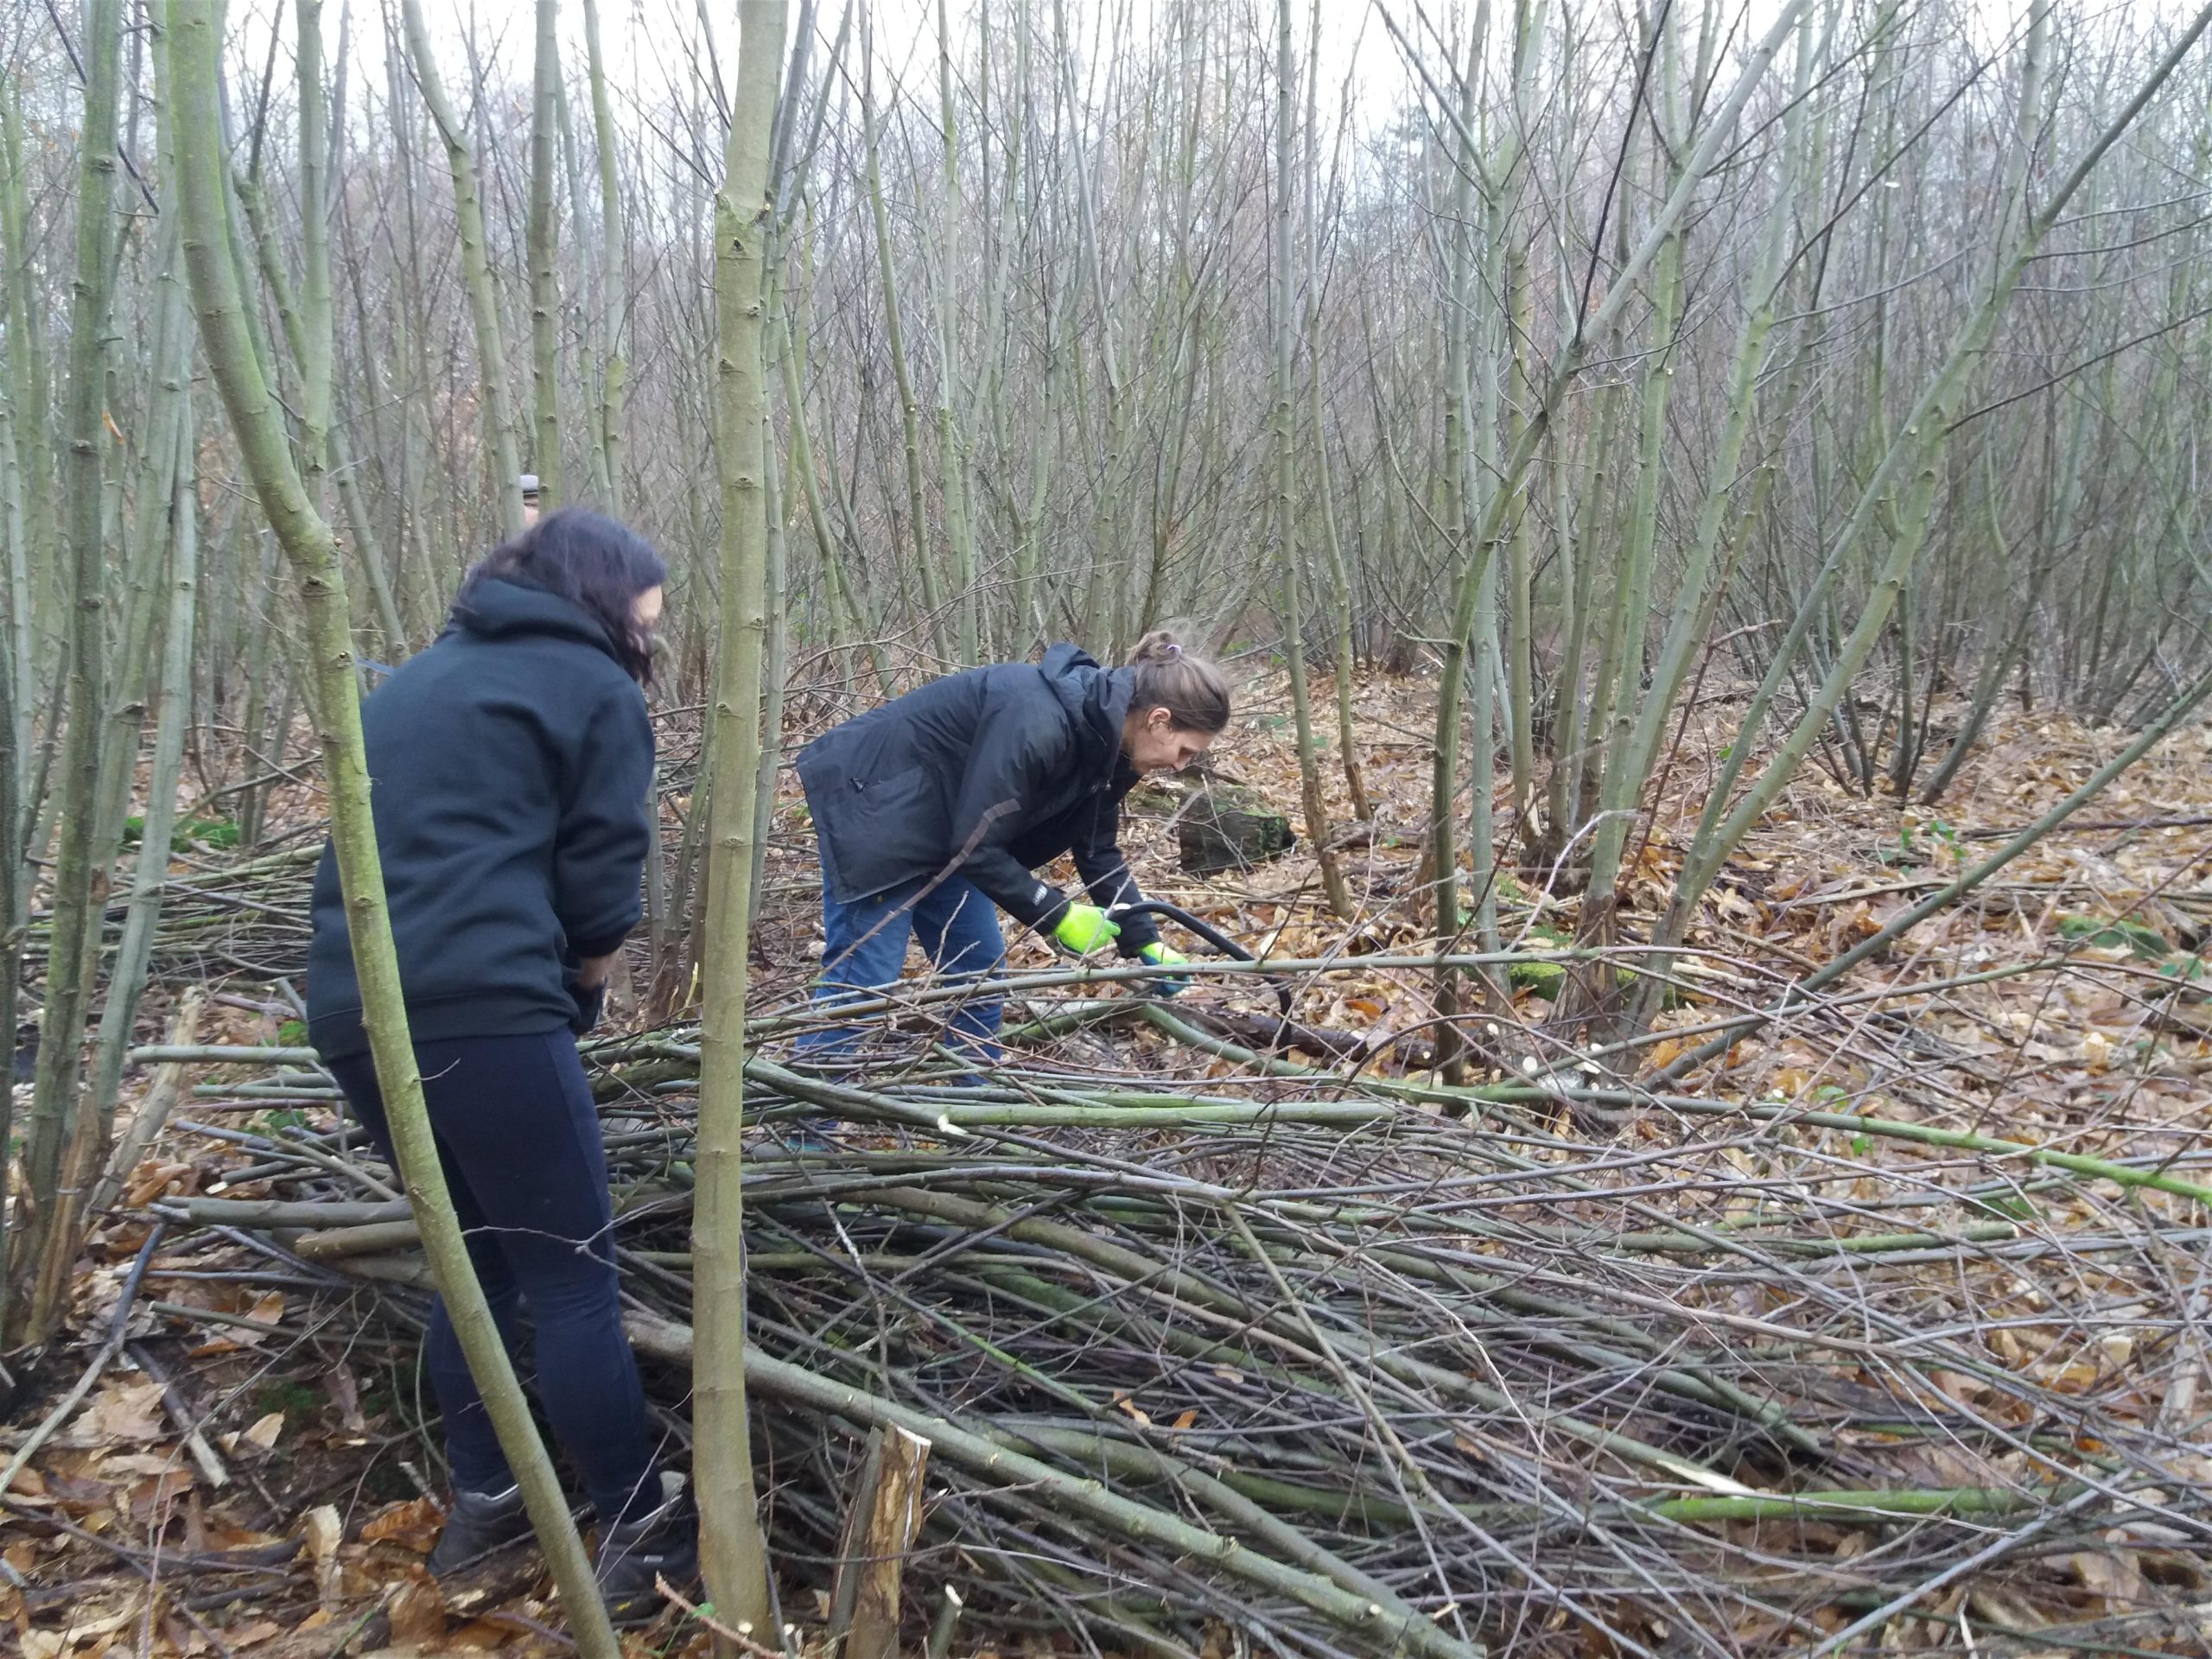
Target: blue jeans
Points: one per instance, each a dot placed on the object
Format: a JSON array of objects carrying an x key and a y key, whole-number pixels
[{"x": 865, "y": 948}]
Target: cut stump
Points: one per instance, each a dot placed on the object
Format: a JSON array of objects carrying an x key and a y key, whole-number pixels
[{"x": 885, "y": 1514}]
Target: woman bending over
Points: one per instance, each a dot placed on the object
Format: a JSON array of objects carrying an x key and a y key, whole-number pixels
[{"x": 933, "y": 812}]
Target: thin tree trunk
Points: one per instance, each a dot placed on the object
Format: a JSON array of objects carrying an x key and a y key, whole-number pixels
[
  {"x": 1101, "y": 618},
  {"x": 1621, "y": 675},
  {"x": 303, "y": 323},
  {"x": 1283, "y": 282},
  {"x": 612, "y": 300},
  {"x": 368, "y": 553},
  {"x": 1454, "y": 470},
  {"x": 895, "y": 341},
  {"x": 545, "y": 249},
  {"x": 733, "y": 1552},
  {"x": 501, "y": 444},
  {"x": 1340, "y": 597},
  {"x": 79, "y": 893},
  {"x": 843, "y": 603},
  {"x": 262, "y": 625},
  {"x": 127, "y": 983},
  {"x": 586, "y": 308},
  {"x": 314, "y": 349},
  {"x": 151, "y": 610},
  {"x": 1998, "y": 659},
  {"x": 1695, "y": 600},
  {"x": 1565, "y": 364},
  {"x": 952, "y": 451},
  {"x": 775, "y": 596},
  {"x": 1520, "y": 577},
  {"x": 1577, "y": 573},
  {"x": 32, "y": 550}
]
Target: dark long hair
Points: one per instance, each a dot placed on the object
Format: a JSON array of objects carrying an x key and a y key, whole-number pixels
[{"x": 597, "y": 564}]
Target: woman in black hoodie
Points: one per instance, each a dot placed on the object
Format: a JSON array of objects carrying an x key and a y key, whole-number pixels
[
  {"x": 512, "y": 767},
  {"x": 932, "y": 811}
]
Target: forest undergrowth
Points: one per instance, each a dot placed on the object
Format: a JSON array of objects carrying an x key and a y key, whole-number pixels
[{"x": 1881, "y": 1330}]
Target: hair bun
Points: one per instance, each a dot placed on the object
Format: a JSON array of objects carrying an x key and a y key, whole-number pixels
[{"x": 1158, "y": 646}]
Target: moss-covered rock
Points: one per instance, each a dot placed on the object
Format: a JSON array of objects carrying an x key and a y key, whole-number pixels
[{"x": 1228, "y": 827}]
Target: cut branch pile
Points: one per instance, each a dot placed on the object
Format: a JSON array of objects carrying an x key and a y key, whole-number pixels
[
  {"x": 1297, "y": 1355},
  {"x": 246, "y": 918}
]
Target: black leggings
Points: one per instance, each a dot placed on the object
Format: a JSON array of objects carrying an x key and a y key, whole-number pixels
[{"x": 519, "y": 1140}]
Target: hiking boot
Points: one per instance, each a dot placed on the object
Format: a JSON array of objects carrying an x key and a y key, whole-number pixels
[
  {"x": 477, "y": 1524},
  {"x": 635, "y": 1555}
]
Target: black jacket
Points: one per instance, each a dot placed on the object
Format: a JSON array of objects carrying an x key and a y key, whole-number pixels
[
  {"x": 989, "y": 773},
  {"x": 510, "y": 766}
]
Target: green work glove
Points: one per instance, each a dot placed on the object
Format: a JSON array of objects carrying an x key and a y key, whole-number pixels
[
  {"x": 1085, "y": 928},
  {"x": 1161, "y": 957}
]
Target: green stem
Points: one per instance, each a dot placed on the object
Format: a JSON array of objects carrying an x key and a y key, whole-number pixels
[{"x": 733, "y": 1552}]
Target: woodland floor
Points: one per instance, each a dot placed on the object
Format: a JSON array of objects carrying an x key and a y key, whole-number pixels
[{"x": 299, "y": 1526}]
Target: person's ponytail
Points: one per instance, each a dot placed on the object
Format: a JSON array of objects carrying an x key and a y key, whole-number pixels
[{"x": 1194, "y": 691}]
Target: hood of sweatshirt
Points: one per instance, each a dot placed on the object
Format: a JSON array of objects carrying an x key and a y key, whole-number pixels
[
  {"x": 1096, "y": 701},
  {"x": 506, "y": 608}
]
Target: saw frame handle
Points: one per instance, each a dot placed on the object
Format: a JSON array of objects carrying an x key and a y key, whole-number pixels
[{"x": 1206, "y": 931}]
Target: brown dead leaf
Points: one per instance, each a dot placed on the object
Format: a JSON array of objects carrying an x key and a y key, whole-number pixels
[
  {"x": 150, "y": 1179},
  {"x": 264, "y": 1432},
  {"x": 2078, "y": 1378},
  {"x": 152, "y": 1497},
  {"x": 413, "y": 1525},
  {"x": 323, "y": 1531},
  {"x": 266, "y": 1309},
  {"x": 418, "y": 1615},
  {"x": 2111, "y": 1575},
  {"x": 345, "y": 1394},
  {"x": 124, "y": 1411},
  {"x": 1958, "y": 1385},
  {"x": 137, "y": 1463},
  {"x": 222, "y": 1535}
]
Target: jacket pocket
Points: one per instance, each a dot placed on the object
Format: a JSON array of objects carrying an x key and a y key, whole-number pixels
[
  {"x": 891, "y": 830},
  {"x": 899, "y": 789}
]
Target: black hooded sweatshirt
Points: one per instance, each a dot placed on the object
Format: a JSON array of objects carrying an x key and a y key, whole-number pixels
[
  {"x": 510, "y": 766},
  {"x": 987, "y": 775}
]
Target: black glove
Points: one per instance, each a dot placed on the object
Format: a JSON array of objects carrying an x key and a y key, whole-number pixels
[{"x": 591, "y": 1002}]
